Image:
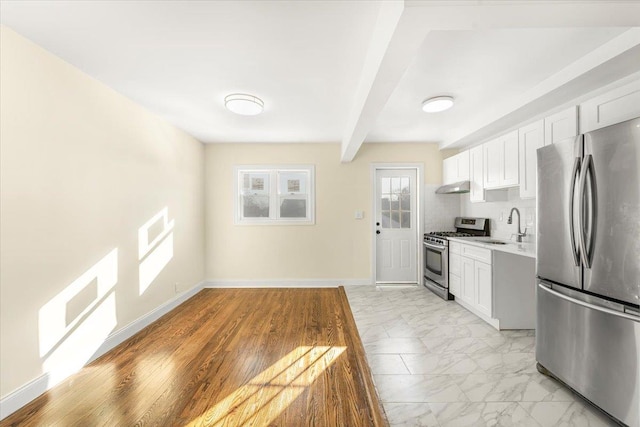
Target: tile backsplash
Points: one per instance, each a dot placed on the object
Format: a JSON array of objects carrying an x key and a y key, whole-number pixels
[
  {"x": 498, "y": 212},
  {"x": 440, "y": 210}
]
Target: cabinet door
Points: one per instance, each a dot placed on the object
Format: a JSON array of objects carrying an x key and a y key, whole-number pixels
[
  {"x": 561, "y": 126},
  {"x": 449, "y": 170},
  {"x": 483, "y": 287},
  {"x": 493, "y": 156},
  {"x": 455, "y": 264},
  {"x": 475, "y": 175},
  {"x": 467, "y": 293},
  {"x": 530, "y": 138},
  {"x": 610, "y": 108},
  {"x": 511, "y": 174},
  {"x": 463, "y": 166},
  {"x": 454, "y": 285}
]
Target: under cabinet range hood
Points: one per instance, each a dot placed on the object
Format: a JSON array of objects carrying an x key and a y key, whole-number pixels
[{"x": 455, "y": 188}]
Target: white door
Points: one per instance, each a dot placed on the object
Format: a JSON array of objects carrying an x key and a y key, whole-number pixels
[{"x": 396, "y": 226}]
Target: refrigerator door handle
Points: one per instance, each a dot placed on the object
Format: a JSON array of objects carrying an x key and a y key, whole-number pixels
[
  {"x": 601, "y": 309},
  {"x": 587, "y": 173},
  {"x": 572, "y": 189}
]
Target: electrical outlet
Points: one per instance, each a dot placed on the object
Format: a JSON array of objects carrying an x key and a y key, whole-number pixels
[
  {"x": 501, "y": 216},
  {"x": 176, "y": 287}
]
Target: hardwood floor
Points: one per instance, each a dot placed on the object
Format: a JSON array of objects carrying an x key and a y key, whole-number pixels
[{"x": 226, "y": 357}]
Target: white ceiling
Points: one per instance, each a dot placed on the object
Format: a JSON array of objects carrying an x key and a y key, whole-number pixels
[
  {"x": 325, "y": 68},
  {"x": 481, "y": 70}
]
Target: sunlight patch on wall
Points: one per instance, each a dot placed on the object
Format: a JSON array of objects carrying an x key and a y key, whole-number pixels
[
  {"x": 76, "y": 322},
  {"x": 262, "y": 399},
  {"x": 155, "y": 247}
]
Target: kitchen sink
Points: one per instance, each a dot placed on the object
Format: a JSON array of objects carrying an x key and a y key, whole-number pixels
[{"x": 493, "y": 242}]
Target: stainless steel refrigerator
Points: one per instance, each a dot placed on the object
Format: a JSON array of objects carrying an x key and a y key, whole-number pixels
[{"x": 588, "y": 267}]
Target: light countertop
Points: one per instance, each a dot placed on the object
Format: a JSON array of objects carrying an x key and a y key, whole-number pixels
[{"x": 524, "y": 249}]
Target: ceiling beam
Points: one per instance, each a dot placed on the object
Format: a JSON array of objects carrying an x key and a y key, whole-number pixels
[
  {"x": 394, "y": 43},
  {"x": 402, "y": 26},
  {"x": 493, "y": 14}
]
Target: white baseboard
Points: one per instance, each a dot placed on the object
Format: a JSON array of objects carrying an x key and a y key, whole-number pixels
[
  {"x": 25, "y": 394},
  {"x": 285, "y": 283}
]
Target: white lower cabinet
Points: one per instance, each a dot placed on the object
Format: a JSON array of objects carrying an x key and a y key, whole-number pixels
[
  {"x": 455, "y": 267},
  {"x": 470, "y": 280},
  {"x": 454, "y": 285},
  {"x": 483, "y": 287}
]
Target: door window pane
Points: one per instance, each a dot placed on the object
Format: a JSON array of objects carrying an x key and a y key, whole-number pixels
[
  {"x": 385, "y": 204},
  {"x": 405, "y": 202},
  {"x": 404, "y": 184},
  {"x": 396, "y": 202},
  {"x": 386, "y": 220},
  {"x": 386, "y": 185},
  {"x": 395, "y": 219},
  {"x": 395, "y": 184},
  {"x": 406, "y": 220}
]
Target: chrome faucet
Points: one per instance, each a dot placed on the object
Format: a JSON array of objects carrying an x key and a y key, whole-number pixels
[{"x": 520, "y": 234}]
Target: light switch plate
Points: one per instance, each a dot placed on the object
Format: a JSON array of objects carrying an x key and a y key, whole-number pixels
[{"x": 359, "y": 214}]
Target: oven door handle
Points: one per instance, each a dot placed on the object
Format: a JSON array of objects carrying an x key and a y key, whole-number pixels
[{"x": 432, "y": 246}]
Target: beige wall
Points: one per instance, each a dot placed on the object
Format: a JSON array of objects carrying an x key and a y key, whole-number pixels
[
  {"x": 82, "y": 169},
  {"x": 336, "y": 247}
]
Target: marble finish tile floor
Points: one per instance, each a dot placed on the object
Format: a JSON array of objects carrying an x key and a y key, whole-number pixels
[{"x": 436, "y": 364}]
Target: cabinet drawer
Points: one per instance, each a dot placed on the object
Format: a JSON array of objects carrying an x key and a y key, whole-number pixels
[
  {"x": 454, "y": 264},
  {"x": 474, "y": 252},
  {"x": 454, "y": 247}
]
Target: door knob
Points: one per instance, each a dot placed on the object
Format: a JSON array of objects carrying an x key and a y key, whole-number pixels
[{"x": 377, "y": 231}]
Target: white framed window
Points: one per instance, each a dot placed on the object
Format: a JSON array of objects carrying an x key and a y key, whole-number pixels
[{"x": 280, "y": 194}]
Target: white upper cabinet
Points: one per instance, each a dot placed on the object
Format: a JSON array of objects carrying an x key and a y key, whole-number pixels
[
  {"x": 475, "y": 175},
  {"x": 456, "y": 168},
  {"x": 530, "y": 138},
  {"x": 463, "y": 166},
  {"x": 449, "y": 172},
  {"x": 610, "y": 108},
  {"x": 561, "y": 126},
  {"x": 511, "y": 175},
  {"x": 493, "y": 158},
  {"x": 501, "y": 161}
]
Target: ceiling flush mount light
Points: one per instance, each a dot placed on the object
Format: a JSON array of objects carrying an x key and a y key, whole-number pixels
[
  {"x": 244, "y": 104},
  {"x": 437, "y": 104}
]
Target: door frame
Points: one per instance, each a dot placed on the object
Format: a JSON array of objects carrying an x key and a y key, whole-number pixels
[{"x": 419, "y": 168}]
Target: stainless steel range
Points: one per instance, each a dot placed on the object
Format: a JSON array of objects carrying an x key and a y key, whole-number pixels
[{"x": 436, "y": 252}]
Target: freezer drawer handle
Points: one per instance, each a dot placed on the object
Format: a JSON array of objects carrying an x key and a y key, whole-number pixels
[
  {"x": 541, "y": 287},
  {"x": 572, "y": 189}
]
